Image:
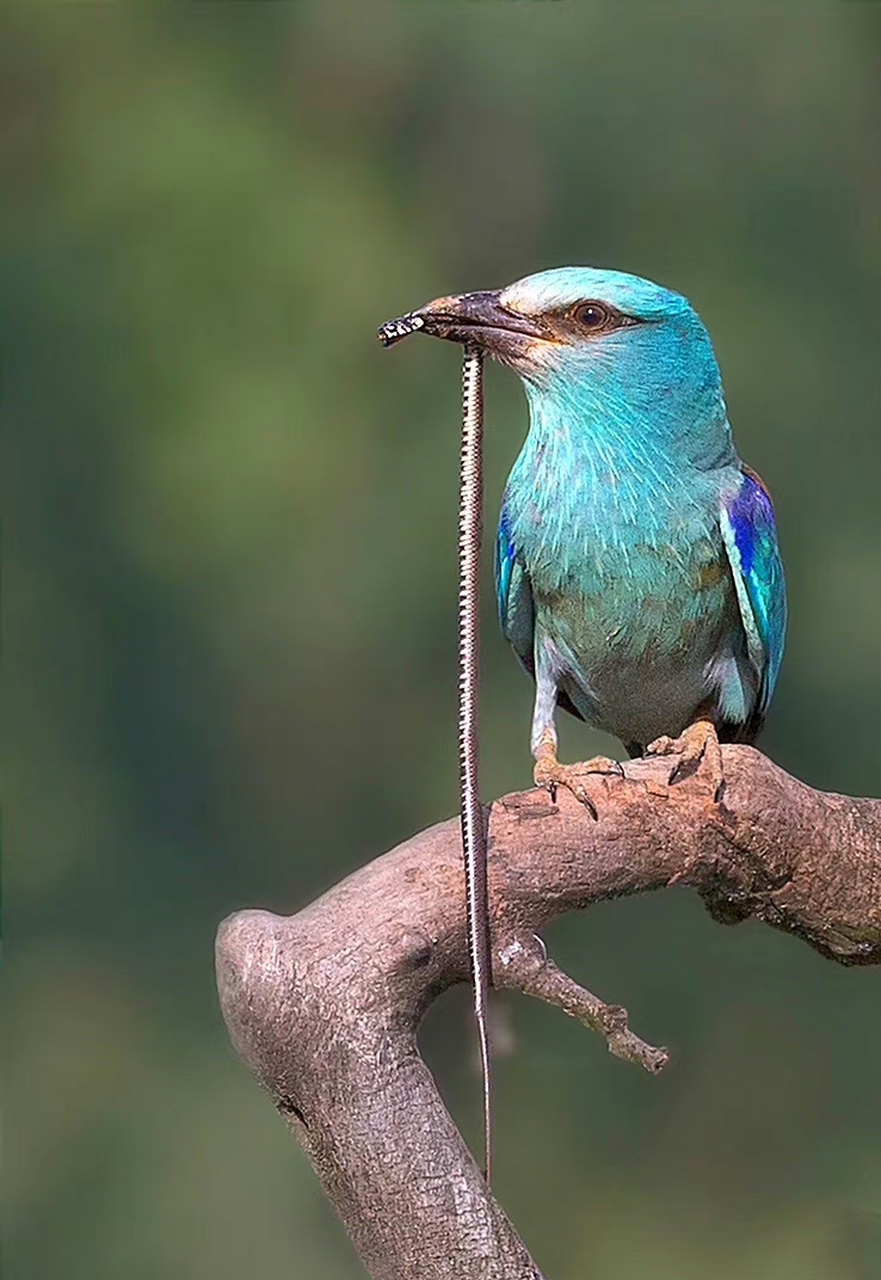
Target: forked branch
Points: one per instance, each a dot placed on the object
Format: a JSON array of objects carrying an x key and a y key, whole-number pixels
[{"x": 324, "y": 1005}]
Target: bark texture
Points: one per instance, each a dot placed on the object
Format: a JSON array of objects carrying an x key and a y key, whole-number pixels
[{"x": 324, "y": 1005}]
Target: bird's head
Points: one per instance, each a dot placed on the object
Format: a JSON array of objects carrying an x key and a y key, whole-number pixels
[{"x": 613, "y": 340}]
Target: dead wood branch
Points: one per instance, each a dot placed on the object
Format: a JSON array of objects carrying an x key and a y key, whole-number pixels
[{"x": 324, "y": 1005}]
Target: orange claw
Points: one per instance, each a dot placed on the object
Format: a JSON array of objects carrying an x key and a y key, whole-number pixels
[
  {"x": 549, "y": 773},
  {"x": 697, "y": 747}
]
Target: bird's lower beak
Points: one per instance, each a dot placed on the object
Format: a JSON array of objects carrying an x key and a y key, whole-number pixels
[{"x": 475, "y": 319}]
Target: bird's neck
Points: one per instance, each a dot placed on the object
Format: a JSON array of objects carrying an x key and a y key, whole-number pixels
[
  {"x": 609, "y": 470},
  {"x": 640, "y": 428}
]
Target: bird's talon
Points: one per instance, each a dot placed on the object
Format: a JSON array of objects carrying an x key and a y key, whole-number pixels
[
  {"x": 698, "y": 749},
  {"x": 683, "y": 766},
  {"x": 550, "y": 774}
]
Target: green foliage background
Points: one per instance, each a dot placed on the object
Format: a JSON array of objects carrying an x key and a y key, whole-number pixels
[{"x": 230, "y": 591}]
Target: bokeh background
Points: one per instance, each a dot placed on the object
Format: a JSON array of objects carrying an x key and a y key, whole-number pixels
[{"x": 230, "y": 624}]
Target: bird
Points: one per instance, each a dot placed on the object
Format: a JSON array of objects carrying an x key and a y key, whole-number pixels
[{"x": 637, "y": 567}]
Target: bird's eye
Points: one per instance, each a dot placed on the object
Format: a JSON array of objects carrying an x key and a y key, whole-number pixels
[{"x": 592, "y": 315}]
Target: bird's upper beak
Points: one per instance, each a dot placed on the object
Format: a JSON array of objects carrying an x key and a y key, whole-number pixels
[{"x": 475, "y": 319}]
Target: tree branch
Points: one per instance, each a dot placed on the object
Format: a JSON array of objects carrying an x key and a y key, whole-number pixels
[{"x": 324, "y": 1005}]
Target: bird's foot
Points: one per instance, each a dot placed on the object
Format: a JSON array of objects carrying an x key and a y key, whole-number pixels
[
  {"x": 549, "y": 773},
  {"x": 697, "y": 748}
]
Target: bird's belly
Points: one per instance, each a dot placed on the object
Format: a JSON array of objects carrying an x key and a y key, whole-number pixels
[{"x": 634, "y": 638}]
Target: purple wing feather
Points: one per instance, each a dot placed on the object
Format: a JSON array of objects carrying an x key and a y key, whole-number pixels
[{"x": 751, "y": 538}]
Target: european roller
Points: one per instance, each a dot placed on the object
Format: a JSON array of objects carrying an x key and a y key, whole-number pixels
[{"x": 637, "y": 569}]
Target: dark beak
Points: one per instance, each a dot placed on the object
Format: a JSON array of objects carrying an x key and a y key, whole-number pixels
[{"x": 475, "y": 319}]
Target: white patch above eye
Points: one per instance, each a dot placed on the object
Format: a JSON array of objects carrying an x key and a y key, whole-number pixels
[
  {"x": 515, "y": 299},
  {"x": 531, "y": 298},
  {"x": 564, "y": 287}
]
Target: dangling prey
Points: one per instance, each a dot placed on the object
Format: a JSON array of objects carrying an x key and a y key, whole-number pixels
[
  {"x": 637, "y": 570},
  {"x": 471, "y": 808}
]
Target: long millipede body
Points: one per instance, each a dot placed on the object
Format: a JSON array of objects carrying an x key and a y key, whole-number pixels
[
  {"x": 473, "y": 823},
  {"x": 471, "y": 809}
]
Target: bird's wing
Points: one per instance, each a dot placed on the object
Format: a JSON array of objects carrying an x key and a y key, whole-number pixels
[
  {"x": 750, "y": 535},
  {"x": 514, "y": 595}
]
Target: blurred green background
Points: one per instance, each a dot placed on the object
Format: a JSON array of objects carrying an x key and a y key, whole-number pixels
[{"x": 230, "y": 619}]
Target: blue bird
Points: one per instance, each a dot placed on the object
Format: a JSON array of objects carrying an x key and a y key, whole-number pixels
[{"x": 637, "y": 569}]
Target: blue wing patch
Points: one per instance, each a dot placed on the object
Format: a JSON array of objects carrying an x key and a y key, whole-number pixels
[
  {"x": 750, "y": 535},
  {"x": 514, "y": 595}
]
